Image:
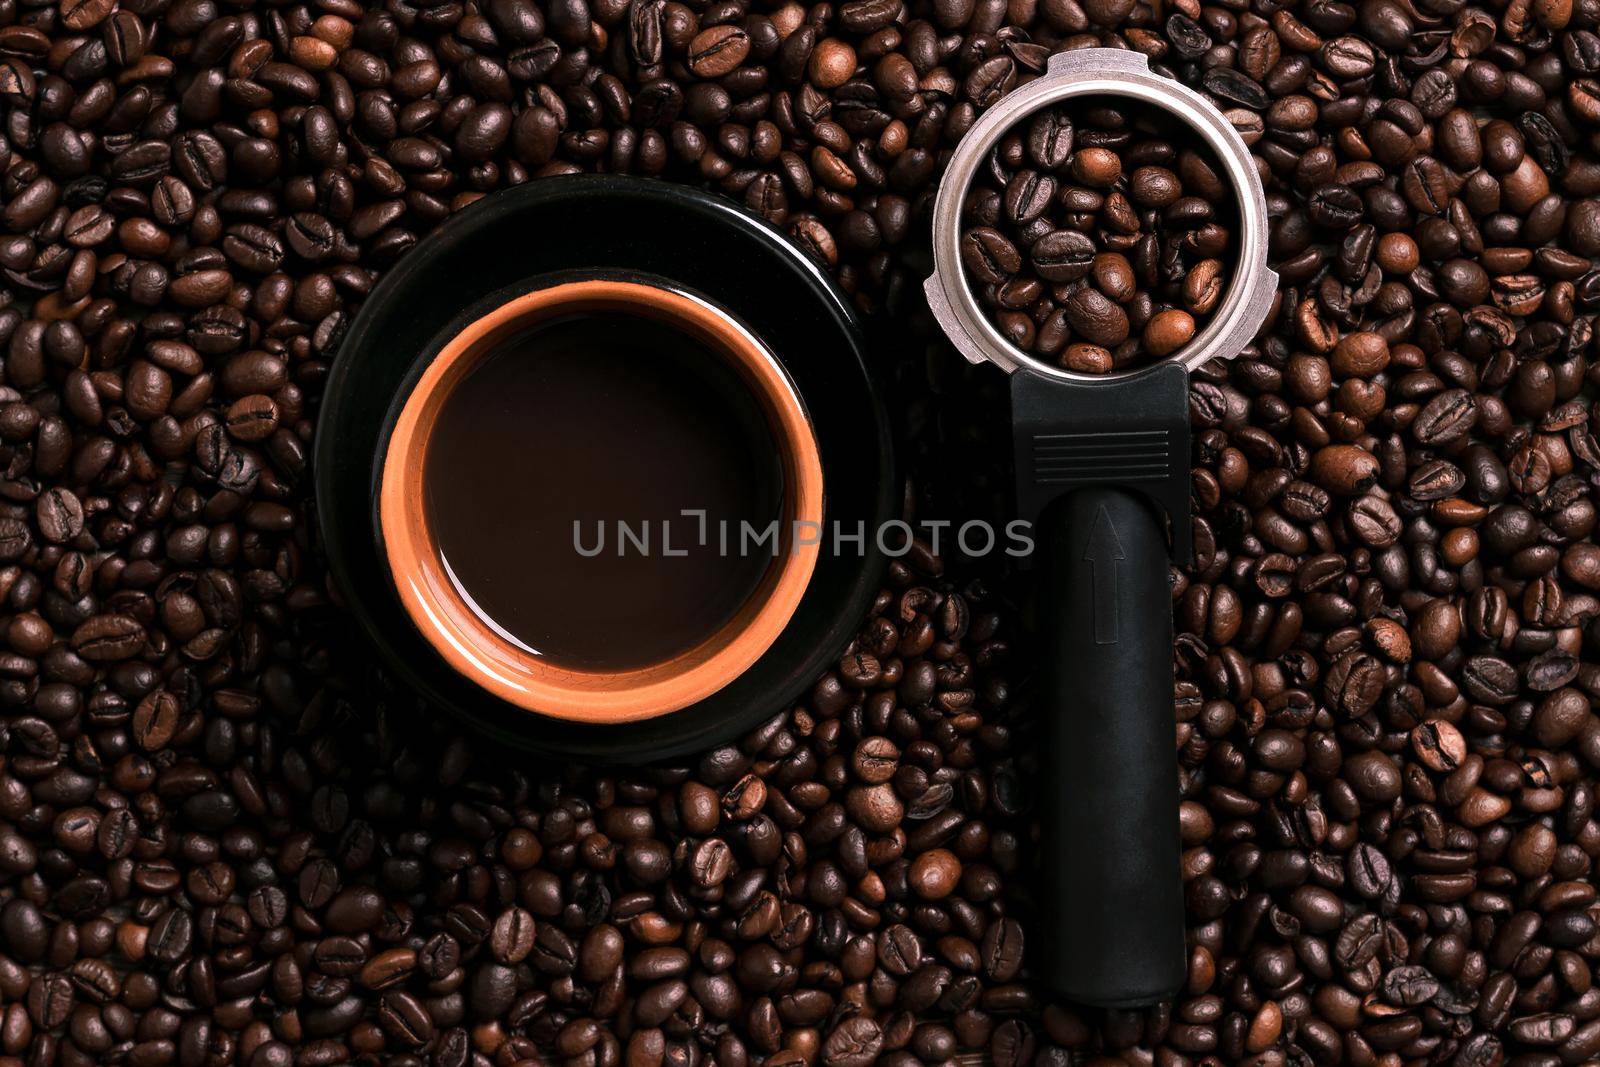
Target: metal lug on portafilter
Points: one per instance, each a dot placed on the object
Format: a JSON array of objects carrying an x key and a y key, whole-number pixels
[{"x": 1102, "y": 470}]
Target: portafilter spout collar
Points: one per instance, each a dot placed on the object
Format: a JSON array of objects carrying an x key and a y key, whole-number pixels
[{"x": 1102, "y": 470}]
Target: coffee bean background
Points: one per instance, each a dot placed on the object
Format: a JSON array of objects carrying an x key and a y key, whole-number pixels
[{"x": 226, "y": 838}]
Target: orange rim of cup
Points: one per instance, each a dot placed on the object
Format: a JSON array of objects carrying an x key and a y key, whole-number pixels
[{"x": 481, "y": 653}]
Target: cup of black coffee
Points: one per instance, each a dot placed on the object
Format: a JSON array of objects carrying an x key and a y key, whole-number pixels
[
  {"x": 582, "y": 461},
  {"x": 558, "y": 491}
]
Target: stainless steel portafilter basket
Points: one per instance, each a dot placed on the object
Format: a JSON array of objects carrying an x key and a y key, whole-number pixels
[
  {"x": 1101, "y": 72},
  {"x": 1102, "y": 470}
]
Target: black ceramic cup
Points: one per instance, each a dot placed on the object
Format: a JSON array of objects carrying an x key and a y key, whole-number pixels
[{"x": 633, "y": 232}]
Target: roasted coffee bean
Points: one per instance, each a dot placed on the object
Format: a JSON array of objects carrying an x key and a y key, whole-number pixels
[
  {"x": 1028, "y": 194},
  {"x": 989, "y": 256},
  {"x": 1062, "y": 256},
  {"x": 718, "y": 51},
  {"x": 1439, "y": 745}
]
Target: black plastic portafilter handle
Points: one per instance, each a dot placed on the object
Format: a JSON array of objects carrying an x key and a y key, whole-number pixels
[{"x": 1112, "y": 907}]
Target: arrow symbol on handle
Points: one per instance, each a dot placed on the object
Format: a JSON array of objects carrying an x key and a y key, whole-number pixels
[{"x": 1102, "y": 554}]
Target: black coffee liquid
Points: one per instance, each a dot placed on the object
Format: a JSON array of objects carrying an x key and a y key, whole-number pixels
[{"x": 618, "y": 424}]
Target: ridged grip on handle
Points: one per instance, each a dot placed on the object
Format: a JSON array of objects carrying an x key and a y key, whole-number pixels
[{"x": 1112, "y": 906}]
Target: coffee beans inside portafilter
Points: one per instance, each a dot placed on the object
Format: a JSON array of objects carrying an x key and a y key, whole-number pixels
[
  {"x": 1099, "y": 234},
  {"x": 226, "y": 838}
]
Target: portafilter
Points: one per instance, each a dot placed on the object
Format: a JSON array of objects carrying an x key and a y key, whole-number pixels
[{"x": 1102, "y": 471}]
